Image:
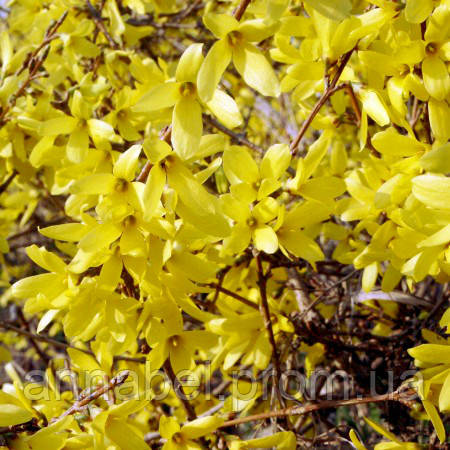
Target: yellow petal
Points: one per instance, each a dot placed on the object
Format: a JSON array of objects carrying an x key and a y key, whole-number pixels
[
  {"x": 439, "y": 120},
  {"x": 333, "y": 9},
  {"x": 257, "y": 30},
  {"x": 187, "y": 127},
  {"x": 59, "y": 125},
  {"x": 101, "y": 131},
  {"x": 69, "y": 232},
  {"x": 220, "y": 24},
  {"x": 431, "y": 353},
  {"x": 265, "y": 239},
  {"x": 168, "y": 426},
  {"x": 225, "y": 109},
  {"x": 160, "y": 97},
  {"x": 78, "y": 145},
  {"x": 132, "y": 242},
  {"x": 189, "y": 64},
  {"x": 444, "y": 396},
  {"x": 123, "y": 435},
  {"x": 266, "y": 210},
  {"x": 301, "y": 245},
  {"x": 110, "y": 273},
  {"x": 390, "y": 142},
  {"x": 436, "y": 77},
  {"x": 417, "y": 11},
  {"x": 48, "y": 284},
  {"x": 356, "y": 442},
  {"x": 239, "y": 239},
  {"x": 432, "y": 190},
  {"x": 437, "y": 26},
  {"x": 435, "y": 419},
  {"x": 256, "y": 70},
  {"x": 126, "y": 165},
  {"x": 276, "y": 161},
  {"x": 437, "y": 160},
  {"x": 212, "y": 69},
  {"x": 202, "y": 426},
  {"x": 379, "y": 429},
  {"x": 100, "y": 237},
  {"x": 97, "y": 183},
  {"x": 369, "y": 277},
  {"x": 374, "y": 106},
  {"x": 13, "y": 415},
  {"x": 239, "y": 165},
  {"x": 306, "y": 214},
  {"x": 153, "y": 191},
  {"x": 439, "y": 238},
  {"x": 43, "y": 258}
]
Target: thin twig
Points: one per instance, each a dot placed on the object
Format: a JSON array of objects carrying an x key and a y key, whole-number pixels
[
  {"x": 32, "y": 338},
  {"x": 165, "y": 136},
  {"x": 98, "y": 21},
  {"x": 322, "y": 296},
  {"x": 351, "y": 93},
  {"x": 235, "y": 136},
  {"x": 62, "y": 345},
  {"x": 236, "y": 296},
  {"x": 177, "y": 387},
  {"x": 240, "y": 10},
  {"x": 79, "y": 405},
  {"x": 397, "y": 396},
  {"x": 265, "y": 313},
  {"x": 330, "y": 90},
  {"x": 36, "y": 64},
  {"x": 8, "y": 181}
]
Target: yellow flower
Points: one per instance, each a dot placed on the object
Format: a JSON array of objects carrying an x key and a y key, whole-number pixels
[
  {"x": 182, "y": 95},
  {"x": 235, "y": 43},
  {"x": 183, "y": 437}
]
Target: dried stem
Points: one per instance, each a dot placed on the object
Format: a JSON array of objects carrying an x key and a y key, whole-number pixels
[
  {"x": 397, "y": 396},
  {"x": 32, "y": 338},
  {"x": 178, "y": 388},
  {"x": 236, "y": 296},
  {"x": 7, "y": 182},
  {"x": 330, "y": 90},
  {"x": 62, "y": 345},
  {"x": 265, "y": 313},
  {"x": 98, "y": 20},
  {"x": 33, "y": 63},
  {"x": 78, "y": 406},
  {"x": 165, "y": 136},
  {"x": 351, "y": 93},
  {"x": 235, "y": 136},
  {"x": 240, "y": 10}
]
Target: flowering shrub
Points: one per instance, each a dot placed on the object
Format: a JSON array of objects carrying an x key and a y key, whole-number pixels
[{"x": 204, "y": 204}]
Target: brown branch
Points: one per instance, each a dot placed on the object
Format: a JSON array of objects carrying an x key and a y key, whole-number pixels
[
  {"x": 240, "y": 10},
  {"x": 165, "y": 135},
  {"x": 102, "y": 389},
  {"x": 30, "y": 426},
  {"x": 351, "y": 93},
  {"x": 236, "y": 296},
  {"x": 8, "y": 181},
  {"x": 322, "y": 296},
  {"x": 32, "y": 338},
  {"x": 98, "y": 21},
  {"x": 235, "y": 136},
  {"x": 402, "y": 396},
  {"x": 265, "y": 313},
  {"x": 330, "y": 90},
  {"x": 33, "y": 63},
  {"x": 178, "y": 388},
  {"x": 62, "y": 345}
]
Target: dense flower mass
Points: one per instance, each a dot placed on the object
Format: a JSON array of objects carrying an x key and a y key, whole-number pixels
[{"x": 203, "y": 202}]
